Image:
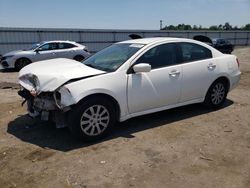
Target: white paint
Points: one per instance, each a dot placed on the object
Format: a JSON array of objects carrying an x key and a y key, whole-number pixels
[{"x": 139, "y": 93}]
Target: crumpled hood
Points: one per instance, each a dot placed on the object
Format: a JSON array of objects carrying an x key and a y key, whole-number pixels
[{"x": 48, "y": 75}]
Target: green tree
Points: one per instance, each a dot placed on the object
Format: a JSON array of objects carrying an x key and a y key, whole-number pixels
[
  {"x": 220, "y": 27},
  {"x": 187, "y": 27},
  {"x": 246, "y": 27},
  {"x": 180, "y": 26},
  {"x": 213, "y": 27},
  {"x": 227, "y": 26},
  {"x": 195, "y": 27}
]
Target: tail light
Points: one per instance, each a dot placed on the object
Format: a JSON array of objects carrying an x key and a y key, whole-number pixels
[{"x": 238, "y": 63}]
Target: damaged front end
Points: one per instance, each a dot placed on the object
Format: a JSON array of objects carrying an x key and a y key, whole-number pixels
[
  {"x": 45, "y": 87},
  {"x": 47, "y": 106}
]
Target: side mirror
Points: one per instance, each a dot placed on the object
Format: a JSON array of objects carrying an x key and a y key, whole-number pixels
[
  {"x": 38, "y": 50},
  {"x": 142, "y": 67}
]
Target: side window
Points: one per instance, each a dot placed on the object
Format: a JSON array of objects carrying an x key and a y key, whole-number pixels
[
  {"x": 53, "y": 46},
  {"x": 160, "y": 56},
  {"x": 44, "y": 47},
  {"x": 193, "y": 52},
  {"x": 65, "y": 45},
  {"x": 48, "y": 46}
]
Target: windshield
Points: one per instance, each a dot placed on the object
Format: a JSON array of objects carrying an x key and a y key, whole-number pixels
[
  {"x": 111, "y": 58},
  {"x": 34, "y": 46}
]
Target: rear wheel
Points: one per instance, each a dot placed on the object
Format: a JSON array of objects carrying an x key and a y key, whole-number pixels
[
  {"x": 20, "y": 63},
  {"x": 216, "y": 94},
  {"x": 79, "y": 58},
  {"x": 92, "y": 119}
]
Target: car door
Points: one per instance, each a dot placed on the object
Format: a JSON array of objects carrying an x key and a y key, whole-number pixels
[
  {"x": 198, "y": 70},
  {"x": 45, "y": 51},
  {"x": 159, "y": 87},
  {"x": 65, "y": 50}
]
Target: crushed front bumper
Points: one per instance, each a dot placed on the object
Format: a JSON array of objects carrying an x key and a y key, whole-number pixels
[
  {"x": 4, "y": 63},
  {"x": 44, "y": 108}
]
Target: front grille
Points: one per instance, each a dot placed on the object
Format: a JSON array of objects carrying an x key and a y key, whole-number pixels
[{"x": 2, "y": 58}]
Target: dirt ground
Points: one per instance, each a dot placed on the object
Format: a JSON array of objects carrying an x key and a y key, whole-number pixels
[{"x": 183, "y": 147}]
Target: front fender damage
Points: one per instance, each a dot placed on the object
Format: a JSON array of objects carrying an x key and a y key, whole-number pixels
[{"x": 48, "y": 98}]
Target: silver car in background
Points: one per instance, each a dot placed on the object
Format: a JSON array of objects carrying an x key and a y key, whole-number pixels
[{"x": 43, "y": 51}]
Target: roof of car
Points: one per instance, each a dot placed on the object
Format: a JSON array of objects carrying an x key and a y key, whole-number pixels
[
  {"x": 155, "y": 39},
  {"x": 67, "y": 41}
]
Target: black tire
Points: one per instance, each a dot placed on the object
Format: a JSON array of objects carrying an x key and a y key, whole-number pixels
[
  {"x": 81, "y": 114},
  {"x": 22, "y": 62},
  {"x": 216, "y": 94},
  {"x": 79, "y": 58}
]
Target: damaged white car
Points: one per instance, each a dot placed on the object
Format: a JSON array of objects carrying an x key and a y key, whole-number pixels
[{"x": 125, "y": 80}]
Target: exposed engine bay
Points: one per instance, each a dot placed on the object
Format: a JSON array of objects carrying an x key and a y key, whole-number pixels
[{"x": 45, "y": 106}]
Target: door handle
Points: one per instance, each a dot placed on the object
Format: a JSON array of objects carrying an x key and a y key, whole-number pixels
[
  {"x": 211, "y": 66},
  {"x": 174, "y": 73}
]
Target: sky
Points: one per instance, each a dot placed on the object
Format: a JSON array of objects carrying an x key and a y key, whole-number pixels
[{"x": 121, "y": 14}]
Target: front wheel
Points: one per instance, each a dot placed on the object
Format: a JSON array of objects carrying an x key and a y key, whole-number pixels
[
  {"x": 91, "y": 119},
  {"x": 20, "y": 63},
  {"x": 216, "y": 94}
]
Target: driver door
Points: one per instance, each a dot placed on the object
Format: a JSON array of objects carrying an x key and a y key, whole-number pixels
[
  {"x": 46, "y": 51},
  {"x": 161, "y": 86}
]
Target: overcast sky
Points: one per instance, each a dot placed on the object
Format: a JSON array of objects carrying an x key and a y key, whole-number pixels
[{"x": 121, "y": 14}]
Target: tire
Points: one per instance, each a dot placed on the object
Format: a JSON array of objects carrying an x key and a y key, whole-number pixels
[
  {"x": 216, "y": 94},
  {"x": 22, "y": 62},
  {"x": 92, "y": 119},
  {"x": 79, "y": 58}
]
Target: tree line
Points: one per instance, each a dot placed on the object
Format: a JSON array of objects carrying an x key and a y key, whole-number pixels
[{"x": 226, "y": 26}]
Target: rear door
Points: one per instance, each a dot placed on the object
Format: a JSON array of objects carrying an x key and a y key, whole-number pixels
[
  {"x": 159, "y": 87},
  {"x": 65, "y": 50},
  {"x": 198, "y": 70}
]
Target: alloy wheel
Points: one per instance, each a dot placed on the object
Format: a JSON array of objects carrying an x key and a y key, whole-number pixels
[
  {"x": 218, "y": 93},
  {"x": 94, "y": 120}
]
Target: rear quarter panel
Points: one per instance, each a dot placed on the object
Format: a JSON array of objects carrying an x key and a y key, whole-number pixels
[{"x": 226, "y": 65}]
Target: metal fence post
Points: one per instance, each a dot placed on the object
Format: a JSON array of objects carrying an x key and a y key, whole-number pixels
[
  {"x": 247, "y": 38},
  {"x": 39, "y": 35},
  {"x": 235, "y": 36},
  {"x": 80, "y": 36}
]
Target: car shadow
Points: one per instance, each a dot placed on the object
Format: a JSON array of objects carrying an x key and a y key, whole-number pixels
[
  {"x": 8, "y": 70},
  {"x": 45, "y": 135}
]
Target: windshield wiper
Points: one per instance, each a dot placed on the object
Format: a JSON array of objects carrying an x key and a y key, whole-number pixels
[{"x": 99, "y": 68}]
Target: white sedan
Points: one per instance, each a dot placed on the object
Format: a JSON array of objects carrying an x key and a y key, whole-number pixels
[{"x": 125, "y": 80}]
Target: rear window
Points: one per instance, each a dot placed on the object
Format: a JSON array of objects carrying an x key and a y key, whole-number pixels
[{"x": 65, "y": 45}]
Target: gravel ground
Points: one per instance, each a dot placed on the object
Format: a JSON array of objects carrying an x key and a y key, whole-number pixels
[{"x": 183, "y": 147}]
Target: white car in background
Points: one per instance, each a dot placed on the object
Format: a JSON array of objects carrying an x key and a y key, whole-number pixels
[
  {"x": 125, "y": 80},
  {"x": 43, "y": 51}
]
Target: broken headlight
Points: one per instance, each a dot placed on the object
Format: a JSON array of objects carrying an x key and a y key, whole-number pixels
[
  {"x": 63, "y": 97},
  {"x": 30, "y": 82}
]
